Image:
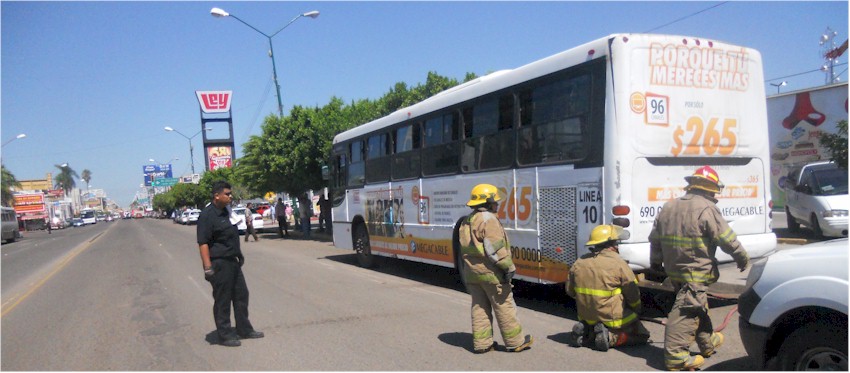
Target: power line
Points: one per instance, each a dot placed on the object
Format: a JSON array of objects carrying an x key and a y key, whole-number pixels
[
  {"x": 803, "y": 73},
  {"x": 687, "y": 16}
]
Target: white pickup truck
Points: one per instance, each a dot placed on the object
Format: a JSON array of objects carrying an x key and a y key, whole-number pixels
[{"x": 816, "y": 196}]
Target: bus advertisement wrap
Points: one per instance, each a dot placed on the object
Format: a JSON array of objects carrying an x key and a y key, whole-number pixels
[{"x": 604, "y": 133}]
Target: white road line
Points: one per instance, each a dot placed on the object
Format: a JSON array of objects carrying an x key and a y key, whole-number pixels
[{"x": 204, "y": 292}]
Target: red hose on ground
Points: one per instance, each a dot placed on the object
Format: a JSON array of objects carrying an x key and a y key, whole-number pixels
[{"x": 717, "y": 329}]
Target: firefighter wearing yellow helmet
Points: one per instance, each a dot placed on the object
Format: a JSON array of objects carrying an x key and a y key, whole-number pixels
[
  {"x": 683, "y": 242},
  {"x": 487, "y": 272},
  {"x": 606, "y": 293}
]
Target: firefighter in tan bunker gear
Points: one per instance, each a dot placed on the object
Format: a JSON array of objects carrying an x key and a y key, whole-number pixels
[
  {"x": 684, "y": 239},
  {"x": 606, "y": 293},
  {"x": 487, "y": 273}
]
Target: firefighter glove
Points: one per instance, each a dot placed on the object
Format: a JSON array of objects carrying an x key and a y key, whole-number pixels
[
  {"x": 509, "y": 276},
  {"x": 742, "y": 265}
]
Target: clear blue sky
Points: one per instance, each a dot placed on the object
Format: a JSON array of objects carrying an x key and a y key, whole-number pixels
[{"x": 94, "y": 83}]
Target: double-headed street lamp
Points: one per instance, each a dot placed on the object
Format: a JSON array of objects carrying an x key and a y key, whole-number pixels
[
  {"x": 779, "y": 85},
  {"x": 191, "y": 148},
  {"x": 13, "y": 139},
  {"x": 218, "y": 12}
]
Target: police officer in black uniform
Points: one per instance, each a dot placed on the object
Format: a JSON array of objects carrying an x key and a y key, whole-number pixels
[{"x": 218, "y": 242}]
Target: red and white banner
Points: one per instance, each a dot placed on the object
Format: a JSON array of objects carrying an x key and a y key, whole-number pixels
[{"x": 214, "y": 101}]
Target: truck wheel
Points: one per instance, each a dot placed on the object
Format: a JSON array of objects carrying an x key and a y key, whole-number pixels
[
  {"x": 814, "y": 346},
  {"x": 816, "y": 227},
  {"x": 793, "y": 226},
  {"x": 362, "y": 247}
]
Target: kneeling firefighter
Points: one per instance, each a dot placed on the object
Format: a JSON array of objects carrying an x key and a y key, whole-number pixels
[
  {"x": 487, "y": 272},
  {"x": 606, "y": 293}
]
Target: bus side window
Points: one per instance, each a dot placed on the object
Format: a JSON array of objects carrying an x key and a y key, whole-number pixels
[
  {"x": 441, "y": 149},
  {"x": 377, "y": 160},
  {"x": 357, "y": 167},
  {"x": 553, "y": 119},
  {"x": 489, "y": 138},
  {"x": 406, "y": 163}
]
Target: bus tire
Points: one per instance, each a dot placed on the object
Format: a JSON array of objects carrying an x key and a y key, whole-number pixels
[
  {"x": 361, "y": 245},
  {"x": 458, "y": 257}
]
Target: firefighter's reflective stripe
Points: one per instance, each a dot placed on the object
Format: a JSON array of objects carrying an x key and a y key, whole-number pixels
[
  {"x": 483, "y": 334},
  {"x": 678, "y": 359},
  {"x": 680, "y": 241},
  {"x": 507, "y": 334},
  {"x": 728, "y": 236},
  {"x": 473, "y": 250},
  {"x": 702, "y": 278},
  {"x": 635, "y": 305},
  {"x": 617, "y": 323},
  {"x": 599, "y": 293}
]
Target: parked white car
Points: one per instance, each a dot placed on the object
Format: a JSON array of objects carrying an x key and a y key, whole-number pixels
[
  {"x": 258, "y": 220},
  {"x": 793, "y": 311},
  {"x": 192, "y": 218},
  {"x": 816, "y": 196}
]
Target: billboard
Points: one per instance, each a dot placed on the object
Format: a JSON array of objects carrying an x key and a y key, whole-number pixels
[
  {"x": 156, "y": 171},
  {"x": 214, "y": 101},
  {"x": 796, "y": 121},
  {"x": 29, "y": 203},
  {"x": 219, "y": 157}
]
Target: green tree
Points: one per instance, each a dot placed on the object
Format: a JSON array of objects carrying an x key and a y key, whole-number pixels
[
  {"x": 180, "y": 195},
  {"x": 836, "y": 144},
  {"x": 6, "y": 183},
  {"x": 86, "y": 176},
  {"x": 290, "y": 153},
  {"x": 65, "y": 179}
]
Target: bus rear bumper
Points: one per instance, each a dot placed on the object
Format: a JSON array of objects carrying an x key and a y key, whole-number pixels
[{"x": 757, "y": 245}]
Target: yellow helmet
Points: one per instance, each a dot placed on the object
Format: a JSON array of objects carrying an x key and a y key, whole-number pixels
[
  {"x": 604, "y": 233},
  {"x": 483, "y": 193},
  {"x": 705, "y": 178}
]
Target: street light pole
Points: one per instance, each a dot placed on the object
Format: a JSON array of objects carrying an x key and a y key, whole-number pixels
[
  {"x": 13, "y": 139},
  {"x": 779, "y": 85},
  {"x": 217, "y": 12},
  {"x": 191, "y": 148}
]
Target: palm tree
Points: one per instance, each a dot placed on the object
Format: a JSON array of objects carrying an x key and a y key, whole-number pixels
[
  {"x": 65, "y": 179},
  {"x": 6, "y": 183},
  {"x": 87, "y": 178}
]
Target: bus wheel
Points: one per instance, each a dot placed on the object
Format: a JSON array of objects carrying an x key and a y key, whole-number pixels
[
  {"x": 362, "y": 247},
  {"x": 458, "y": 258}
]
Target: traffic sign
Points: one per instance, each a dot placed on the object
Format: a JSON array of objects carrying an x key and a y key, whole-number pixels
[{"x": 166, "y": 181}]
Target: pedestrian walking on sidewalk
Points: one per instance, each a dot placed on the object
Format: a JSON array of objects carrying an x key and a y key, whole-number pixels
[{"x": 249, "y": 223}]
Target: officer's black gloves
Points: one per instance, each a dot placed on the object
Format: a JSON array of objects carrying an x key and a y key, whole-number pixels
[
  {"x": 241, "y": 259},
  {"x": 209, "y": 273}
]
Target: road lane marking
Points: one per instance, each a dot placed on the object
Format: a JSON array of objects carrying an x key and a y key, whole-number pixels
[
  {"x": 70, "y": 256},
  {"x": 197, "y": 285}
]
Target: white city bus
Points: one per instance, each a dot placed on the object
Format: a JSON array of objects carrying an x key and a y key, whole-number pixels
[
  {"x": 88, "y": 215},
  {"x": 601, "y": 133}
]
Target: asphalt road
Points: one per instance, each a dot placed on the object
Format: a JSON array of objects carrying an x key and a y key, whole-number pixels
[{"x": 130, "y": 295}]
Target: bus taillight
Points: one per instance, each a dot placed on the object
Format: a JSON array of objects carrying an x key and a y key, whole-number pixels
[{"x": 621, "y": 210}]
